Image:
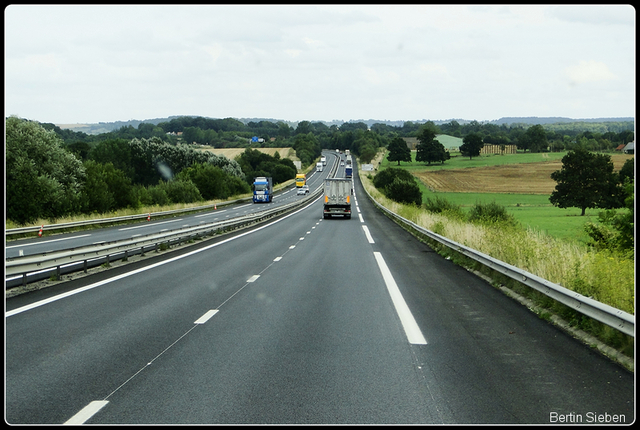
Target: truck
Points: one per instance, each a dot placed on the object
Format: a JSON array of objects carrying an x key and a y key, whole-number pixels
[
  {"x": 301, "y": 179},
  {"x": 337, "y": 198},
  {"x": 319, "y": 166},
  {"x": 323, "y": 160},
  {"x": 262, "y": 189},
  {"x": 348, "y": 171}
]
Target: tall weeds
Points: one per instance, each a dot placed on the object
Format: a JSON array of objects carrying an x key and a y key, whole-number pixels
[{"x": 605, "y": 276}]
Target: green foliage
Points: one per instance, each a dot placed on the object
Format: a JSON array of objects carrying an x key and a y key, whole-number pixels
[
  {"x": 404, "y": 191},
  {"x": 106, "y": 189},
  {"x": 490, "y": 213},
  {"x": 213, "y": 182},
  {"x": 440, "y": 205},
  {"x": 307, "y": 148},
  {"x": 429, "y": 149},
  {"x": 43, "y": 179},
  {"x": 586, "y": 180},
  {"x": 472, "y": 145},
  {"x": 181, "y": 191},
  {"x": 256, "y": 163},
  {"x": 398, "y": 150},
  {"x": 616, "y": 229},
  {"x": 398, "y": 185}
]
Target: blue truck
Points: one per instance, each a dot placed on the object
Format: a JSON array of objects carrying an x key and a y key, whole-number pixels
[
  {"x": 348, "y": 171},
  {"x": 262, "y": 189}
]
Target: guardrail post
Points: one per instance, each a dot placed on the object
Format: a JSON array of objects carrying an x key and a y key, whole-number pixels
[{"x": 84, "y": 266}]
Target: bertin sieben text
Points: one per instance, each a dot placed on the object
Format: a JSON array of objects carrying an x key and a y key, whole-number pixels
[{"x": 587, "y": 418}]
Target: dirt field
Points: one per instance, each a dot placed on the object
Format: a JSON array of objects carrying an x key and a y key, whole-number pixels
[
  {"x": 531, "y": 178},
  {"x": 231, "y": 153}
]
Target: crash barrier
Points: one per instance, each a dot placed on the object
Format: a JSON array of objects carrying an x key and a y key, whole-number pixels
[
  {"x": 616, "y": 318},
  {"x": 32, "y": 268},
  {"x": 114, "y": 220}
]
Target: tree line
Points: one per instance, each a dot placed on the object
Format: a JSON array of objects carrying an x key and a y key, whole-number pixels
[{"x": 45, "y": 179}]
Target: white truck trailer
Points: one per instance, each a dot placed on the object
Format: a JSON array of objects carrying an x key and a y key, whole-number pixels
[{"x": 337, "y": 197}]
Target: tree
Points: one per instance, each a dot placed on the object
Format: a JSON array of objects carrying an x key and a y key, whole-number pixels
[
  {"x": 429, "y": 149},
  {"x": 471, "y": 145},
  {"x": 399, "y": 151},
  {"x": 586, "y": 180},
  {"x": 43, "y": 179}
]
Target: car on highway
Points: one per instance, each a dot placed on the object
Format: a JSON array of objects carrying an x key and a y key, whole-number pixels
[
  {"x": 303, "y": 190},
  {"x": 342, "y": 163}
]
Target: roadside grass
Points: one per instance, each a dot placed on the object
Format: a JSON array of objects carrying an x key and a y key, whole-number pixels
[
  {"x": 531, "y": 210},
  {"x": 549, "y": 243},
  {"x": 604, "y": 276}
]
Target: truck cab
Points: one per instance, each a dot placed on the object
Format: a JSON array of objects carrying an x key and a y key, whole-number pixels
[{"x": 262, "y": 189}]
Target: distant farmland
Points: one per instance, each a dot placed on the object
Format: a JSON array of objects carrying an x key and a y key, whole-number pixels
[
  {"x": 525, "y": 178},
  {"x": 232, "y": 153}
]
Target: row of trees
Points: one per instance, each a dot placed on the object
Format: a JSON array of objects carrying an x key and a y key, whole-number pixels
[
  {"x": 308, "y": 137},
  {"x": 46, "y": 180}
]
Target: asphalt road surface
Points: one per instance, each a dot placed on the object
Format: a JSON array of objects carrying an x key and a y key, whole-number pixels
[{"x": 301, "y": 321}]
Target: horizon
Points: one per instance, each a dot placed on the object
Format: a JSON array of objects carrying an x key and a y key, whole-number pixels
[{"x": 87, "y": 64}]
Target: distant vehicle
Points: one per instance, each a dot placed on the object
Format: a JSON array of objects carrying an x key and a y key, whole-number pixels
[
  {"x": 348, "y": 171},
  {"x": 303, "y": 190},
  {"x": 337, "y": 197},
  {"x": 346, "y": 151},
  {"x": 323, "y": 160},
  {"x": 301, "y": 179},
  {"x": 338, "y": 151},
  {"x": 262, "y": 189},
  {"x": 342, "y": 163},
  {"x": 349, "y": 160},
  {"x": 319, "y": 166}
]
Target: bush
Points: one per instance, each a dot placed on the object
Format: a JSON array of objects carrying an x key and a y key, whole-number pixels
[
  {"x": 386, "y": 176},
  {"x": 398, "y": 185},
  {"x": 440, "y": 205},
  {"x": 404, "y": 191},
  {"x": 489, "y": 213},
  {"x": 181, "y": 191}
]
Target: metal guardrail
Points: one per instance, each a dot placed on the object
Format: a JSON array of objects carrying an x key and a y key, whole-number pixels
[
  {"x": 62, "y": 226},
  {"x": 591, "y": 308},
  {"x": 54, "y": 260},
  {"x": 35, "y": 266}
]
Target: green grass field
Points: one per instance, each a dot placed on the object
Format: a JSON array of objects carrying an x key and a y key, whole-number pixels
[{"x": 531, "y": 210}]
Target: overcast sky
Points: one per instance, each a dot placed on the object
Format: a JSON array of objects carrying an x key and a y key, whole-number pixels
[{"x": 89, "y": 64}]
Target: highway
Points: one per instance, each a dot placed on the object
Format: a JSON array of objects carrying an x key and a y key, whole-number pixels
[
  {"x": 48, "y": 243},
  {"x": 298, "y": 321}
]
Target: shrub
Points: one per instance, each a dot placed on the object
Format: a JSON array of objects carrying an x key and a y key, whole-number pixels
[
  {"x": 404, "y": 191},
  {"x": 181, "y": 191},
  {"x": 489, "y": 213},
  {"x": 440, "y": 205},
  {"x": 386, "y": 176}
]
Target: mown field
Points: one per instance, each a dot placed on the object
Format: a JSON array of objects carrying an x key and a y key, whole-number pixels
[{"x": 520, "y": 182}]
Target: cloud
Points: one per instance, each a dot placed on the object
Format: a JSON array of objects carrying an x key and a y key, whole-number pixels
[{"x": 589, "y": 71}]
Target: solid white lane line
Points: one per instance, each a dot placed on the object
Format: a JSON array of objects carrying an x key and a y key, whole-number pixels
[
  {"x": 277, "y": 259},
  {"x": 149, "y": 225},
  {"x": 368, "y": 234},
  {"x": 411, "y": 329},
  {"x": 87, "y": 412},
  {"x": 204, "y": 318},
  {"x": 46, "y": 241},
  {"x": 210, "y": 213}
]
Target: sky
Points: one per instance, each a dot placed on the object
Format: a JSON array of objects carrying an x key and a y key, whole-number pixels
[{"x": 87, "y": 64}]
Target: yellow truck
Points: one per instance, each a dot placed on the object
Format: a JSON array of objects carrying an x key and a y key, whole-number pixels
[{"x": 301, "y": 179}]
